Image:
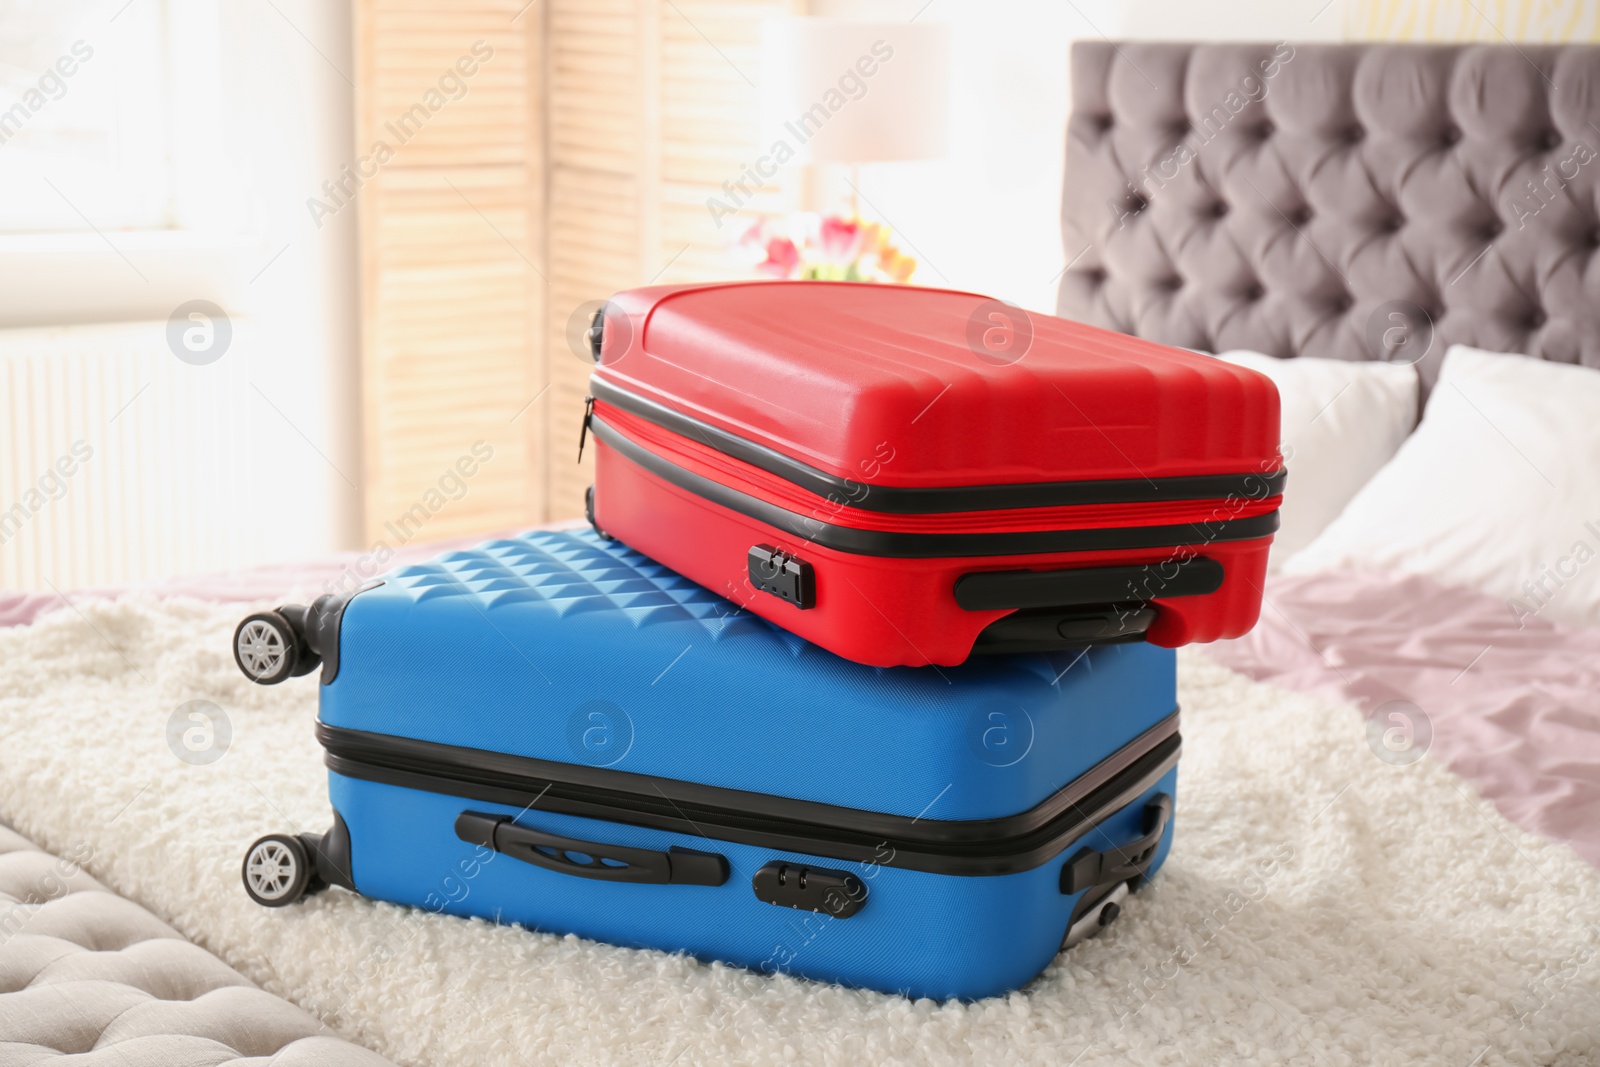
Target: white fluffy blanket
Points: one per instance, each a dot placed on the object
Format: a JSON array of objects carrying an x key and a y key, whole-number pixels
[{"x": 1320, "y": 906}]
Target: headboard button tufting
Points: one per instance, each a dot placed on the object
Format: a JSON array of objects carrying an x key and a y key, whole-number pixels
[{"x": 1338, "y": 155}]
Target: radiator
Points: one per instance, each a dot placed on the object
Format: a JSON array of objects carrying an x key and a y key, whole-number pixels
[{"x": 120, "y": 463}]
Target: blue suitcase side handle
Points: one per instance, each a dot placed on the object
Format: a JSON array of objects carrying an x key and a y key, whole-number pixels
[
  {"x": 1088, "y": 867},
  {"x": 591, "y": 859}
]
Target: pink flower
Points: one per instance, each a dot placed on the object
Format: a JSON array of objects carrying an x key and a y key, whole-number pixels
[
  {"x": 752, "y": 244},
  {"x": 839, "y": 240},
  {"x": 811, "y": 247},
  {"x": 782, "y": 258}
]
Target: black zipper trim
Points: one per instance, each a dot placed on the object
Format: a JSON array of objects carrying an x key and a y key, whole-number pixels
[
  {"x": 944, "y": 499},
  {"x": 891, "y": 544},
  {"x": 1002, "y": 845}
]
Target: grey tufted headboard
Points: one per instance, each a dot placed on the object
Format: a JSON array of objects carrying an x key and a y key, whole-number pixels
[{"x": 1295, "y": 199}]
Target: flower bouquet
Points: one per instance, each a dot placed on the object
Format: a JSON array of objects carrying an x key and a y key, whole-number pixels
[{"x": 825, "y": 248}]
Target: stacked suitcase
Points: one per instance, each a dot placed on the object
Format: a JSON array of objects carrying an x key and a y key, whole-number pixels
[{"x": 863, "y": 671}]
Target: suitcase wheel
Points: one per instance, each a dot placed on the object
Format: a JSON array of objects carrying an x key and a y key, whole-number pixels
[
  {"x": 278, "y": 870},
  {"x": 268, "y": 649},
  {"x": 1088, "y": 921}
]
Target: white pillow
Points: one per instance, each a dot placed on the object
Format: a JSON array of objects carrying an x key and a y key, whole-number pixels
[
  {"x": 1341, "y": 422},
  {"x": 1498, "y": 490}
]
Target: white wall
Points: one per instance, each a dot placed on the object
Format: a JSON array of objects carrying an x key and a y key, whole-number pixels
[
  {"x": 1230, "y": 20},
  {"x": 290, "y": 116}
]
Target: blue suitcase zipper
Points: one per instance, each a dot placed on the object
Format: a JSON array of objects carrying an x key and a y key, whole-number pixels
[{"x": 555, "y": 731}]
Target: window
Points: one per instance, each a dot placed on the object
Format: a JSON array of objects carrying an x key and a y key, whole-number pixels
[{"x": 86, "y": 115}]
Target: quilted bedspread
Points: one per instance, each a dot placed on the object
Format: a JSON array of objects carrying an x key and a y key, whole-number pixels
[{"x": 89, "y": 978}]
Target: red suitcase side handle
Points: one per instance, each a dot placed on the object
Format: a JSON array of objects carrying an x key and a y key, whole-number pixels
[
  {"x": 1083, "y": 586},
  {"x": 1080, "y": 605}
]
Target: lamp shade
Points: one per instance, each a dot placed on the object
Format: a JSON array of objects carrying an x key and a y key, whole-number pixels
[{"x": 841, "y": 91}]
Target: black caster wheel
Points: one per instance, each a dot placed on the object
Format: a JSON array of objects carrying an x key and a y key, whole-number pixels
[
  {"x": 268, "y": 650},
  {"x": 278, "y": 871},
  {"x": 596, "y": 332}
]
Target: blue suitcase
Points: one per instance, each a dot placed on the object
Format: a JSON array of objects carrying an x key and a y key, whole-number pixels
[{"x": 555, "y": 731}]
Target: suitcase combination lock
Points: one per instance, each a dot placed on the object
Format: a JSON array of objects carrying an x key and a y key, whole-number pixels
[
  {"x": 786, "y": 577},
  {"x": 794, "y": 885}
]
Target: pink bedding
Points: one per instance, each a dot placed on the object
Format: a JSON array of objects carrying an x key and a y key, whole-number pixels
[{"x": 1516, "y": 711}]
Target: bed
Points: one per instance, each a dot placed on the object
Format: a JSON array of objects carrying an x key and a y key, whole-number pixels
[{"x": 1332, "y": 898}]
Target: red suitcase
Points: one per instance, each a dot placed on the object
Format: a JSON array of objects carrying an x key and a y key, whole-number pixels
[{"x": 906, "y": 476}]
